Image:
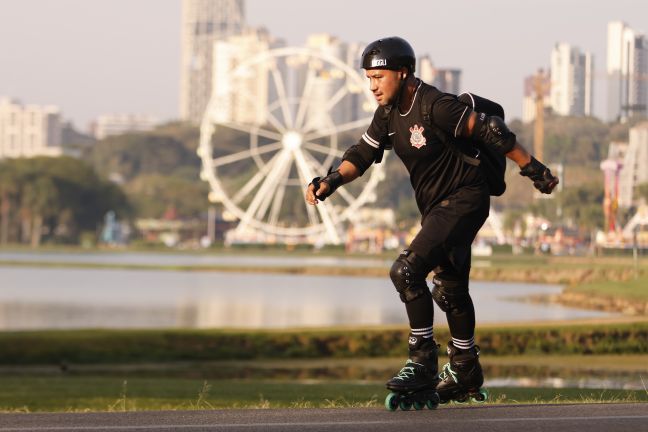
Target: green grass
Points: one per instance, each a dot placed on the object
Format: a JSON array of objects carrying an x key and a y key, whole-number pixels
[
  {"x": 64, "y": 394},
  {"x": 316, "y": 383},
  {"x": 115, "y": 394},
  {"x": 634, "y": 289}
]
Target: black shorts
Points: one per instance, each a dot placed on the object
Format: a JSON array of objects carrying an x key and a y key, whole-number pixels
[{"x": 448, "y": 230}]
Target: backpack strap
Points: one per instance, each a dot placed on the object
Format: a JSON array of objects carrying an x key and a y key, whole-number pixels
[{"x": 427, "y": 104}]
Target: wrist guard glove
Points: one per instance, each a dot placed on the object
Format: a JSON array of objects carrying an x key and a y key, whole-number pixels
[
  {"x": 333, "y": 179},
  {"x": 541, "y": 176}
]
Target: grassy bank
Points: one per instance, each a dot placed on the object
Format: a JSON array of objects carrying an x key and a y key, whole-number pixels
[
  {"x": 618, "y": 276},
  {"x": 628, "y": 368},
  {"x": 34, "y": 394},
  {"x": 127, "y": 346},
  {"x": 631, "y": 289},
  {"x": 281, "y": 379}
]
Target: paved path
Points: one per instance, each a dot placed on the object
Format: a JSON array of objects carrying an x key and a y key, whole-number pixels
[{"x": 500, "y": 418}]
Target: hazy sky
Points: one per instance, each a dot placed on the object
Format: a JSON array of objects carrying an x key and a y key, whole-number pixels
[{"x": 92, "y": 57}]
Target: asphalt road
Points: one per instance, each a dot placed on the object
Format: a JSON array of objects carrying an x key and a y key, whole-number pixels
[{"x": 500, "y": 418}]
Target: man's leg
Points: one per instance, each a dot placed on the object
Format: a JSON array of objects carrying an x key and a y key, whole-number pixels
[
  {"x": 451, "y": 294},
  {"x": 454, "y": 222},
  {"x": 462, "y": 377},
  {"x": 408, "y": 273}
]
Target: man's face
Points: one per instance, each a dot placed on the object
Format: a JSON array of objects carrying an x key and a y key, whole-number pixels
[{"x": 384, "y": 84}]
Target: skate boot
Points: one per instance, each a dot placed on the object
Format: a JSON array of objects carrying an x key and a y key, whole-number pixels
[
  {"x": 414, "y": 386},
  {"x": 462, "y": 378}
]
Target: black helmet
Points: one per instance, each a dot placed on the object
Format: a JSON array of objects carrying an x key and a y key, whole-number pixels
[{"x": 389, "y": 53}]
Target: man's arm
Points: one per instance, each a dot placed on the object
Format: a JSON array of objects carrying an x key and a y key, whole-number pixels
[
  {"x": 498, "y": 134},
  {"x": 355, "y": 161},
  {"x": 517, "y": 154},
  {"x": 345, "y": 173}
]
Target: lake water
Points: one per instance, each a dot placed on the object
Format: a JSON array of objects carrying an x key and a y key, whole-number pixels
[
  {"x": 47, "y": 298},
  {"x": 189, "y": 259}
]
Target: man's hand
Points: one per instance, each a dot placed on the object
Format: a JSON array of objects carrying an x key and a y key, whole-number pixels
[
  {"x": 322, "y": 188},
  {"x": 315, "y": 190},
  {"x": 541, "y": 176}
]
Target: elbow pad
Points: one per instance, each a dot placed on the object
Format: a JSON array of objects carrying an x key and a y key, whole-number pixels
[{"x": 492, "y": 131}]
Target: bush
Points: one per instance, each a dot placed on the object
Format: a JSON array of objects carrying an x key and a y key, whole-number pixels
[{"x": 126, "y": 346}]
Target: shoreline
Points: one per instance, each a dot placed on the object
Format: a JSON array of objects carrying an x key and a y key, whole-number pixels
[{"x": 571, "y": 276}]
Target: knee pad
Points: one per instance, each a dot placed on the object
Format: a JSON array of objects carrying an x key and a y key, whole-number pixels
[
  {"x": 450, "y": 295},
  {"x": 408, "y": 274}
]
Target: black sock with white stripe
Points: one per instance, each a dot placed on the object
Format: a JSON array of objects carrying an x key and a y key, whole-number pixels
[
  {"x": 420, "y": 337},
  {"x": 424, "y": 333},
  {"x": 462, "y": 325},
  {"x": 463, "y": 344}
]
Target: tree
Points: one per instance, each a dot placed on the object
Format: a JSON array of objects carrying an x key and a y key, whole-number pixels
[
  {"x": 642, "y": 192},
  {"x": 57, "y": 197},
  {"x": 583, "y": 205},
  {"x": 130, "y": 155},
  {"x": 40, "y": 199},
  {"x": 8, "y": 190},
  {"x": 154, "y": 194}
]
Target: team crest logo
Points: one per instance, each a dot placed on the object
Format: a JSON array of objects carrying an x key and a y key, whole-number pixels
[{"x": 417, "y": 139}]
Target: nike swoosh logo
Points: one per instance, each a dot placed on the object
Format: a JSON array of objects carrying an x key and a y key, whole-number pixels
[{"x": 391, "y": 133}]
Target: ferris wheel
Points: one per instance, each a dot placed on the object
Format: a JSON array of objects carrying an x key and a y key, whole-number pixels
[{"x": 283, "y": 117}]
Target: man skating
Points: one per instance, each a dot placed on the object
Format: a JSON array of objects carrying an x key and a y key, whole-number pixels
[{"x": 422, "y": 126}]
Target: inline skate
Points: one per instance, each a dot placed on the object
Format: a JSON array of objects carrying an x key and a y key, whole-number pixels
[
  {"x": 414, "y": 386},
  {"x": 461, "y": 379}
]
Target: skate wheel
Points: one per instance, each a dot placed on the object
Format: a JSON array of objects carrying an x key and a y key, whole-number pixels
[
  {"x": 461, "y": 399},
  {"x": 418, "y": 405},
  {"x": 480, "y": 397},
  {"x": 391, "y": 402},
  {"x": 404, "y": 405},
  {"x": 433, "y": 403}
]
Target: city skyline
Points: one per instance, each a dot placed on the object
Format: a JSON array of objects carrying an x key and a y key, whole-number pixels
[
  {"x": 95, "y": 59},
  {"x": 203, "y": 22}
]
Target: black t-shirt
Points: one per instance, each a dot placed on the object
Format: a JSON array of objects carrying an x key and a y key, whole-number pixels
[{"x": 435, "y": 170}]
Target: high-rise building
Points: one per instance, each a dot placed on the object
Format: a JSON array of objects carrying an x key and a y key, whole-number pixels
[
  {"x": 359, "y": 106},
  {"x": 242, "y": 95},
  {"x": 572, "y": 73},
  {"x": 29, "y": 130},
  {"x": 635, "y": 165},
  {"x": 203, "y": 23},
  {"x": 327, "y": 82},
  {"x": 446, "y": 80},
  {"x": 627, "y": 72}
]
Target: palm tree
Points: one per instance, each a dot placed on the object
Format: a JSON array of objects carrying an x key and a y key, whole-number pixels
[{"x": 41, "y": 200}]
